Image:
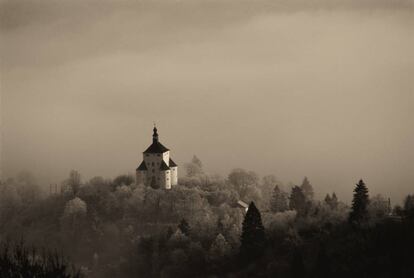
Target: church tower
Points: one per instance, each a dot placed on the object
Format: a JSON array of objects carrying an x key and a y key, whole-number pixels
[{"x": 157, "y": 169}]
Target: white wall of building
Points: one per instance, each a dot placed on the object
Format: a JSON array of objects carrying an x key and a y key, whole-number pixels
[
  {"x": 174, "y": 175},
  {"x": 165, "y": 179}
]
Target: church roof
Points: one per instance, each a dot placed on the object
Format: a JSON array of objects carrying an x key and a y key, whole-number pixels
[
  {"x": 142, "y": 167},
  {"x": 172, "y": 163},
  {"x": 164, "y": 166},
  {"x": 156, "y": 147}
]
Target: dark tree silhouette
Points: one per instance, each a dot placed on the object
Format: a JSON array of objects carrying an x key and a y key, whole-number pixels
[
  {"x": 184, "y": 227},
  {"x": 253, "y": 235},
  {"x": 278, "y": 203},
  {"x": 359, "y": 211},
  {"x": 322, "y": 267},
  {"x": 409, "y": 207},
  {"x": 297, "y": 268},
  {"x": 328, "y": 199},
  {"x": 298, "y": 200},
  {"x": 334, "y": 201}
]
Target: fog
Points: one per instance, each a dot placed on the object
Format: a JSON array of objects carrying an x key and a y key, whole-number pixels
[{"x": 274, "y": 87}]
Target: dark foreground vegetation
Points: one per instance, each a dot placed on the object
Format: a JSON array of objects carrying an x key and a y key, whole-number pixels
[
  {"x": 18, "y": 261},
  {"x": 114, "y": 228}
]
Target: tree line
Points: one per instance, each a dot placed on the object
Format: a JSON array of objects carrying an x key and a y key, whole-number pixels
[{"x": 115, "y": 228}]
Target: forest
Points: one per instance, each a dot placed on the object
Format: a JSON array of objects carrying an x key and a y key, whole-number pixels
[{"x": 115, "y": 228}]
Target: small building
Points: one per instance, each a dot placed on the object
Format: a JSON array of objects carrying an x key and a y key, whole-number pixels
[
  {"x": 157, "y": 169},
  {"x": 243, "y": 205}
]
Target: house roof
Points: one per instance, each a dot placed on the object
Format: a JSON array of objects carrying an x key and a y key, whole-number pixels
[
  {"x": 164, "y": 166},
  {"x": 172, "y": 163},
  {"x": 242, "y": 204},
  {"x": 156, "y": 147},
  {"x": 142, "y": 167}
]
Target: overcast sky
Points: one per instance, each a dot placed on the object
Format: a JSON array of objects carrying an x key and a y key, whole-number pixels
[{"x": 323, "y": 89}]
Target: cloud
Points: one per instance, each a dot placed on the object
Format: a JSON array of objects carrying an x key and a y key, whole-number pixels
[
  {"x": 290, "y": 88},
  {"x": 15, "y": 14},
  {"x": 42, "y": 33}
]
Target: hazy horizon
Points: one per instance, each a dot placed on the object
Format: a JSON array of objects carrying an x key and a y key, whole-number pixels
[{"x": 278, "y": 87}]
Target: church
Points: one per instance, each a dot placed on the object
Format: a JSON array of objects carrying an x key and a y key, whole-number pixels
[{"x": 157, "y": 169}]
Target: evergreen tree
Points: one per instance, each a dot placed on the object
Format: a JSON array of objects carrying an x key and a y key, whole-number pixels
[
  {"x": 278, "y": 202},
  {"x": 328, "y": 199},
  {"x": 253, "y": 239},
  {"x": 359, "y": 210},
  {"x": 331, "y": 201},
  {"x": 184, "y": 227},
  {"x": 409, "y": 207},
  {"x": 297, "y": 266},
  {"x": 298, "y": 201},
  {"x": 307, "y": 189}
]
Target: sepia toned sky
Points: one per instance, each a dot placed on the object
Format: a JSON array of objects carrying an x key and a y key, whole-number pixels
[{"x": 323, "y": 89}]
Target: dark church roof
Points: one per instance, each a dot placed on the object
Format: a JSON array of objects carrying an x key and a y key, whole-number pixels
[
  {"x": 172, "y": 163},
  {"x": 164, "y": 166},
  {"x": 156, "y": 147},
  {"x": 142, "y": 167}
]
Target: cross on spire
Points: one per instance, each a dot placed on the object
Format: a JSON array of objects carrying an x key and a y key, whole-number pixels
[{"x": 155, "y": 134}]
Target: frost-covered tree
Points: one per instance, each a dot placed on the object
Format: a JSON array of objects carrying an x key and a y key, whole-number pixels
[
  {"x": 123, "y": 180},
  {"x": 298, "y": 201},
  {"x": 73, "y": 183},
  {"x": 75, "y": 208},
  {"x": 219, "y": 248},
  {"x": 378, "y": 206},
  {"x": 194, "y": 168},
  {"x": 307, "y": 189},
  {"x": 243, "y": 180},
  {"x": 279, "y": 202}
]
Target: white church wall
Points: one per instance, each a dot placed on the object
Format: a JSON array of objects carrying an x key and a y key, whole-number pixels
[
  {"x": 166, "y": 157},
  {"x": 174, "y": 175},
  {"x": 167, "y": 179}
]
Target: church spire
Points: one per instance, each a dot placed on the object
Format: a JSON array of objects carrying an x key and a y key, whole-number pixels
[{"x": 155, "y": 135}]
